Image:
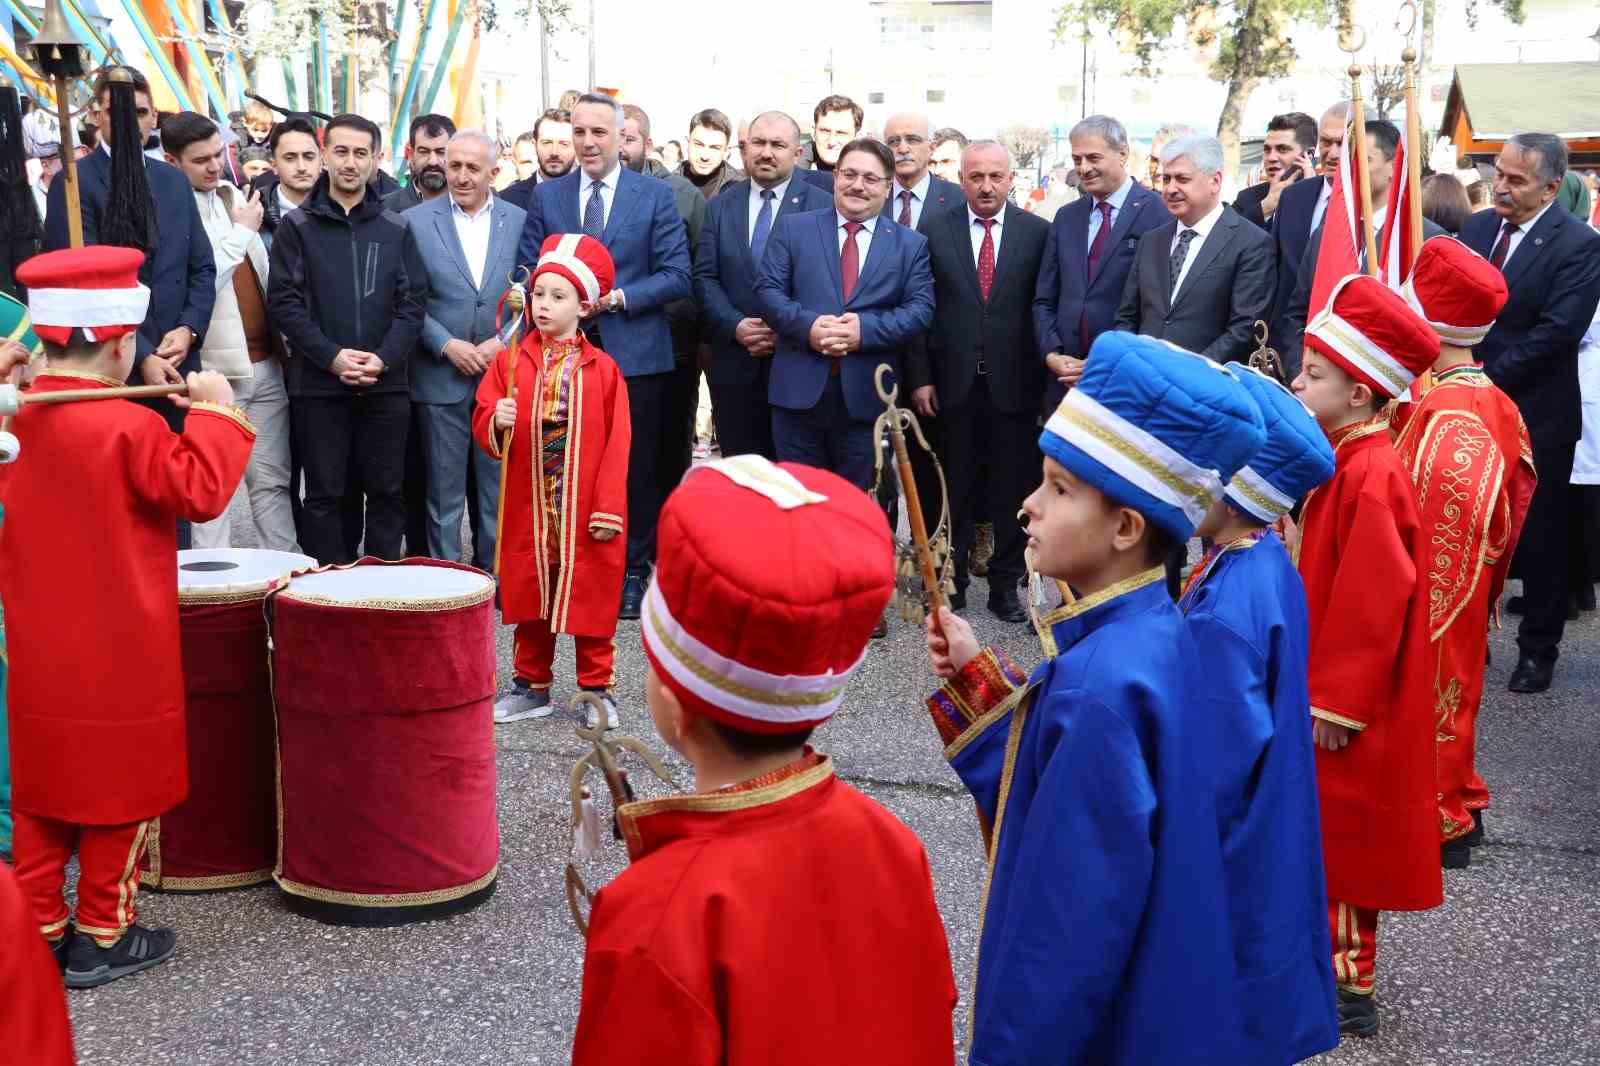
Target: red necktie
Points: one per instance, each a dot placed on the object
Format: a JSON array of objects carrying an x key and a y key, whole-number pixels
[
  {"x": 986, "y": 258},
  {"x": 850, "y": 259},
  {"x": 1502, "y": 247},
  {"x": 905, "y": 208},
  {"x": 1101, "y": 237}
]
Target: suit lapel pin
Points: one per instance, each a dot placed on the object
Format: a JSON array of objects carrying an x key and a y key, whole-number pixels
[
  {"x": 1537, "y": 241},
  {"x": 794, "y": 199}
]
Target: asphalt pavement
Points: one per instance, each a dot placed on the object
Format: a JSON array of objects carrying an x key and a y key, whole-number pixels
[{"x": 1505, "y": 973}]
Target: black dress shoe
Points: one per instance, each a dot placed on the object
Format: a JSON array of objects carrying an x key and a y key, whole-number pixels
[
  {"x": 1006, "y": 607},
  {"x": 1586, "y": 598},
  {"x": 1531, "y": 675},
  {"x": 957, "y": 600},
  {"x": 1455, "y": 854},
  {"x": 1474, "y": 836},
  {"x": 1358, "y": 1014},
  {"x": 632, "y": 596},
  {"x": 1514, "y": 605},
  {"x": 881, "y": 630}
]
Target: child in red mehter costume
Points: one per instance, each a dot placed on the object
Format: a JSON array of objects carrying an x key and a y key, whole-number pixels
[
  {"x": 96, "y": 684},
  {"x": 1362, "y": 555},
  {"x": 561, "y": 546},
  {"x": 776, "y": 916}
]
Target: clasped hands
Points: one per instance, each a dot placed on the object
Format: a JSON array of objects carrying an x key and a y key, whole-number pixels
[
  {"x": 472, "y": 359},
  {"x": 355, "y": 367},
  {"x": 836, "y": 335}
]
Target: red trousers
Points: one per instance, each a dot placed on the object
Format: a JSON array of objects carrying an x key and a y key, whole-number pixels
[
  {"x": 108, "y": 878},
  {"x": 534, "y": 654},
  {"x": 1355, "y": 946},
  {"x": 1457, "y": 698}
]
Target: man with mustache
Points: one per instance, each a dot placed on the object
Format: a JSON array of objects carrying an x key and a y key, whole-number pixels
[{"x": 425, "y": 159}]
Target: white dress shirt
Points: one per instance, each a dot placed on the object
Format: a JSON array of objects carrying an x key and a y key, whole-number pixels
[
  {"x": 1116, "y": 200},
  {"x": 608, "y": 193},
  {"x": 1321, "y": 209},
  {"x": 863, "y": 238},
  {"x": 778, "y": 192},
  {"x": 919, "y": 198},
  {"x": 1517, "y": 234},
  {"x": 975, "y": 231},
  {"x": 473, "y": 231},
  {"x": 1202, "y": 230}
]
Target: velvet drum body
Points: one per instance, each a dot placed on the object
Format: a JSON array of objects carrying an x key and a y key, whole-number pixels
[
  {"x": 225, "y": 833},
  {"x": 384, "y": 678}
]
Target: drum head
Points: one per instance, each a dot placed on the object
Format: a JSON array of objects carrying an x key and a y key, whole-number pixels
[
  {"x": 209, "y": 574},
  {"x": 398, "y": 587}
]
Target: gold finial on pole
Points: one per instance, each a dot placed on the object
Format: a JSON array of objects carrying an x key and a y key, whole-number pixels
[{"x": 1353, "y": 42}]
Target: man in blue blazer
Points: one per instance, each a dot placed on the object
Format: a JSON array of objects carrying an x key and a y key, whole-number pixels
[
  {"x": 636, "y": 218},
  {"x": 1090, "y": 251},
  {"x": 738, "y": 226},
  {"x": 468, "y": 242},
  {"x": 1551, "y": 261},
  {"x": 179, "y": 269},
  {"x": 846, "y": 290}
]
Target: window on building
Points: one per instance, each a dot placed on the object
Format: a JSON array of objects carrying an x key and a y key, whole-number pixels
[
  {"x": 935, "y": 96},
  {"x": 874, "y": 98}
]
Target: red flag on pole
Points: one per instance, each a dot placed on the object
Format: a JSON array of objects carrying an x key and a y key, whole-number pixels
[
  {"x": 1396, "y": 253},
  {"x": 1337, "y": 256}
]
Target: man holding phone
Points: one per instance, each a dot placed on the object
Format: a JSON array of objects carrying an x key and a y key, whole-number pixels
[{"x": 1288, "y": 154}]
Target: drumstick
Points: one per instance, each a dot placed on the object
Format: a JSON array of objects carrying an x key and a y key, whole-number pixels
[{"x": 13, "y": 399}]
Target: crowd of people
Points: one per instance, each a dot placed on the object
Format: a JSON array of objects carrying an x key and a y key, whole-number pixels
[{"x": 1233, "y": 839}]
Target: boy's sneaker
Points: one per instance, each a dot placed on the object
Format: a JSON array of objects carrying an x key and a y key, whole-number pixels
[
  {"x": 522, "y": 702},
  {"x": 1455, "y": 854},
  {"x": 592, "y": 717},
  {"x": 1358, "y": 1014},
  {"x": 89, "y": 965},
  {"x": 59, "y": 947}
]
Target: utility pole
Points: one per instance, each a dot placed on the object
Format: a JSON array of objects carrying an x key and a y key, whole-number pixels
[
  {"x": 1083, "y": 77},
  {"x": 544, "y": 62},
  {"x": 591, "y": 46}
]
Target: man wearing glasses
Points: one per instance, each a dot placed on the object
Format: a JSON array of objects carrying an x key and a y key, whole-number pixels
[
  {"x": 845, "y": 289},
  {"x": 918, "y": 195}
]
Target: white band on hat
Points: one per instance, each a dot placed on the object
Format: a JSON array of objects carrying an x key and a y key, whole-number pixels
[
  {"x": 1354, "y": 347},
  {"x": 743, "y": 691},
  {"x": 565, "y": 255},
  {"x": 1135, "y": 455},
  {"x": 1259, "y": 496},
  {"x": 88, "y": 307},
  {"x": 1460, "y": 336},
  {"x": 759, "y": 474}
]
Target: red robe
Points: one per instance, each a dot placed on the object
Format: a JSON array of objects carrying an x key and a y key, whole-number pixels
[
  {"x": 1468, "y": 454},
  {"x": 565, "y": 576},
  {"x": 1360, "y": 546},
  {"x": 785, "y": 924},
  {"x": 89, "y": 577},
  {"x": 34, "y": 1030}
]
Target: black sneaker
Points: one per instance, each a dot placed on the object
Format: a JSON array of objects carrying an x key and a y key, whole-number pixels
[
  {"x": 1455, "y": 854},
  {"x": 58, "y": 947},
  {"x": 1358, "y": 1014},
  {"x": 1474, "y": 836},
  {"x": 89, "y": 965}
]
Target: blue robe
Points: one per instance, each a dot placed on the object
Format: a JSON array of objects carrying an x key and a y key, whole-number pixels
[
  {"x": 1105, "y": 936},
  {"x": 1247, "y": 612}
]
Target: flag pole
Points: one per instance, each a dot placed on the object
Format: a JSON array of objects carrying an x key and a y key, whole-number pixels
[
  {"x": 1413, "y": 137},
  {"x": 1358, "y": 149}
]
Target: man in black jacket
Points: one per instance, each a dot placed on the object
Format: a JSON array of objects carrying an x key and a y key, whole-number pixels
[
  {"x": 347, "y": 291},
  {"x": 979, "y": 371},
  {"x": 1288, "y": 155},
  {"x": 296, "y": 166}
]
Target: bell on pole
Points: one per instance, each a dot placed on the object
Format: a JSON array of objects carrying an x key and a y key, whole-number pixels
[{"x": 56, "y": 51}]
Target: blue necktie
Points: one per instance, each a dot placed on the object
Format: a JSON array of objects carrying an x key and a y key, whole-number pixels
[
  {"x": 594, "y": 213},
  {"x": 758, "y": 239}
]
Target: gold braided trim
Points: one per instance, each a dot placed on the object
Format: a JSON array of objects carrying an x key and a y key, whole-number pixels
[
  {"x": 571, "y": 470},
  {"x": 630, "y": 814},
  {"x": 606, "y": 519},
  {"x": 984, "y": 721},
  {"x": 228, "y": 411},
  {"x": 1105, "y": 595},
  {"x": 1358, "y": 351},
  {"x": 79, "y": 375},
  {"x": 1337, "y": 719},
  {"x": 1378, "y": 423},
  {"x": 213, "y": 883},
  {"x": 49, "y": 931},
  {"x": 386, "y": 899},
  {"x": 1260, "y": 499},
  {"x": 201, "y": 596},
  {"x": 1189, "y": 490},
  {"x": 716, "y": 680},
  {"x": 449, "y": 603}
]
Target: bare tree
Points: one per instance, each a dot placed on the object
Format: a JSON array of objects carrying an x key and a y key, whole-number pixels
[{"x": 1024, "y": 143}]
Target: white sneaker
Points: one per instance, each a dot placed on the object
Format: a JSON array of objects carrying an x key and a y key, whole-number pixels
[
  {"x": 592, "y": 717},
  {"x": 522, "y": 703}
]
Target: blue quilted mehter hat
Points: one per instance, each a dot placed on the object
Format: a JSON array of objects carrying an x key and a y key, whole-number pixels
[
  {"x": 1154, "y": 427},
  {"x": 1295, "y": 458}
]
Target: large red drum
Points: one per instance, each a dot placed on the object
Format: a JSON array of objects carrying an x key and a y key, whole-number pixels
[
  {"x": 225, "y": 834},
  {"x": 384, "y": 675}
]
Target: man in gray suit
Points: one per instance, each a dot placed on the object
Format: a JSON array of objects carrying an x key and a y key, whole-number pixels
[
  {"x": 1203, "y": 279},
  {"x": 468, "y": 242}
]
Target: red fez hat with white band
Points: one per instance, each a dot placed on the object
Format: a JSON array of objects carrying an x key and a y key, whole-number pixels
[
  {"x": 1370, "y": 332},
  {"x": 769, "y": 580},
  {"x": 1456, "y": 290},
  {"x": 582, "y": 260},
  {"x": 95, "y": 289}
]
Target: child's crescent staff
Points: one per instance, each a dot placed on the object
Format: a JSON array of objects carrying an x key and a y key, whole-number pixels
[
  {"x": 510, "y": 331},
  {"x": 895, "y": 419}
]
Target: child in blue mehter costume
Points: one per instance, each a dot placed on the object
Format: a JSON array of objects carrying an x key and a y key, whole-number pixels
[
  {"x": 1106, "y": 936},
  {"x": 1246, "y": 609}
]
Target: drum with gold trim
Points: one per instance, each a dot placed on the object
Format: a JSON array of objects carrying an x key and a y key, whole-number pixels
[
  {"x": 225, "y": 834},
  {"x": 384, "y": 676}
]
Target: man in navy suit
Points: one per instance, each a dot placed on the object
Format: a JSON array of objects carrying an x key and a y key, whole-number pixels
[
  {"x": 732, "y": 243},
  {"x": 1551, "y": 261},
  {"x": 1299, "y": 214},
  {"x": 636, "y": 218},
  {"x": 918, "y": 196},
  {"x": 845, "y": 289},
  {"x": 1090, "y": 251},
  {"x": 179, "y": 270}
]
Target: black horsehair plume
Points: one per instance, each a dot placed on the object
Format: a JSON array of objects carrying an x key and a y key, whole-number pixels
[
  {"x": 19, "y": 217},
  {"x": 128, "y": 219}
]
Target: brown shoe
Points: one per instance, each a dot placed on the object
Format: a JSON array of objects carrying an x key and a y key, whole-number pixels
[
  {"x": 982, "y": 549},
  {"x": 881, "y": 630}
]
